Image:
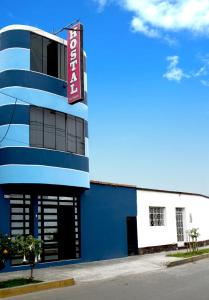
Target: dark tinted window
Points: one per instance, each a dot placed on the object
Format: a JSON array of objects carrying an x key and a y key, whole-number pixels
[
  {"x": 48, "y": 56},
  {"x": 36, "y": 53},
  {"x": 52, "y": 58},
  {"x": 71, "y": 134},
  {"x": 55, "y": 130},
  {"x": 49, "y": 129},
  {"x": 44, "y": 57},
  {"x": 65, "y": 61},
  {"x": 80, "y": 136},
  {"x": 62, "y": 61},
  {"x": 36, "y": 127},
  {"x": 60, "y": 132}
]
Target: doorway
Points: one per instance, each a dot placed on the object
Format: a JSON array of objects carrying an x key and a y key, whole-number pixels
[
  {"x": 58, "y": 227},
  {"x": 180, "y": 225},
  {"x": 132, "y": 236},
  {"x": 66, "y": 232}
]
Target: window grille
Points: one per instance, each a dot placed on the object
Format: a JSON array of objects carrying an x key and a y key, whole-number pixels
[
  {"x": 180, "y": 224},
  {"x": 21, "y": 216},
  {"x": 157, "y": 216},
  {"x": 50, "y": 231}
]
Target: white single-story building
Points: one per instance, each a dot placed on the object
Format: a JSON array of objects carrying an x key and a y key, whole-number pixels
[{"x": 164, "y": 218}]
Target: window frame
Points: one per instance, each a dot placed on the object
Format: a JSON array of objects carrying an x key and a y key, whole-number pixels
[
  {"x": 157, "y": 216},
  {"x": 44, "y": 52},
  {"x": 78, "y": 139}
]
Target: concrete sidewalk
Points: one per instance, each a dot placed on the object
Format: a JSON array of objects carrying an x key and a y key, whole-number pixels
[{"x": 100, "y": 270}]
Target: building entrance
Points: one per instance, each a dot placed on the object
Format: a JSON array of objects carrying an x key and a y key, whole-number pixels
[
  {"x": 59, "y": 227},
  {"x": 132, "y": 236},
  {"x": 180, "y": 225},
  {"x": 66, "y": 232},
  {"x": 52, "y": 219}
]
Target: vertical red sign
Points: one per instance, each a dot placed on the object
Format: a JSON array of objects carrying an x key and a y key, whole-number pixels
[{"x": 75, "y": 64}]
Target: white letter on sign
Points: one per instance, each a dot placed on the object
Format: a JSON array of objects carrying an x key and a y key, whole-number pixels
[
  {"x": 73, "y": 64},
  {"x": 73, "y": 78},
  {"x": 73, "y": 54},
  {"x": 72, "y": 90},
  {"x": 73, "y": 33},
  {"x": 73, "y": 44}
]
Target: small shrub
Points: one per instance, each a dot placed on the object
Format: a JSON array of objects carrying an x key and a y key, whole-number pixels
[
  {"x": 30, "y": 249},
  {"x": 193, "y": 235},
  {"x": 6, "y": 249}
]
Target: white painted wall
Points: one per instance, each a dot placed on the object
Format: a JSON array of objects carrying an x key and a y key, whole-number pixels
[{"x": 197, "y": 206}]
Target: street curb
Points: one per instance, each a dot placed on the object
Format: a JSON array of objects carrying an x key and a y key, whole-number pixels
[
  {"x": 187, "y": 260},
  {"x": 35, "y": 287}
]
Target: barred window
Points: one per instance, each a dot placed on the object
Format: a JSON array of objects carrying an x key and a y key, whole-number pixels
[{"x": 157, "y": 216}]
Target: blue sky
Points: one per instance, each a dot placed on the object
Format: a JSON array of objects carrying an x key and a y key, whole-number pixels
[{"x": 148, "y": 83}]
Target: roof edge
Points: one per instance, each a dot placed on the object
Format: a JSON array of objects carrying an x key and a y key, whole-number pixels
[
  {"x": 171, "y": 192},
  {"x": 146, "y": 189},
  {"x": 113, "y": 184},
  {"x": 35, "y": 30}
]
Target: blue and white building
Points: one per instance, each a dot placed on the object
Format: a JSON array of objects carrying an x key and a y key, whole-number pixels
[
  {"x": 44, "y": 168},
  {"x": 44, "y": 160}
]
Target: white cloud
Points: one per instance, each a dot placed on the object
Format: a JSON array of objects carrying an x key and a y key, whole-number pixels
[
  {"x": 205, "y": 82},
  {"x": 153, "y": 17},
  {"x": 174, "y": 72},
  {"x": 203, "y": 71},
  {"x": 170, "y": 41},
  {"x": 138, "y": 25},
  {"x": 102, "y": 4}
]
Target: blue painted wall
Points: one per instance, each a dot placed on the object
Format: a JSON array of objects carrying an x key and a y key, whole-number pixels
[
  {"x": 15, "y": 58},
  {"x": 15, "y": 38},
  {"x": 103, "y": 233},
  {"x": 104, "y": 209},
  {"x": 5, "y": 214},
  {"x": 30, "y": 87}
]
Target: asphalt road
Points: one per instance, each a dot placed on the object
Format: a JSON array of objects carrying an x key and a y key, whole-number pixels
[{"x": 187, "y": 282}]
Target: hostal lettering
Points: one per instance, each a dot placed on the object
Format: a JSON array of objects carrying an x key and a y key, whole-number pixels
[{"x": 73, "y": 61}]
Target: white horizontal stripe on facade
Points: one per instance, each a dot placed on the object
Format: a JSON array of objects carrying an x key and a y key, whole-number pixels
[
  {"x": 8, "y": 104},
  {"x": 14, "y": 48},
  {"x": 17, "y": 135},
  {"x": 7, "y": 97},
  {"x": 44, "y": 99},
  {"x": 44, "y": 166},
  {"x": 13, "y": 124},
  {"x": 39, "y": 174},
  {"x": 35, "y": 30},
  {"x": 15, "y": 58}
]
